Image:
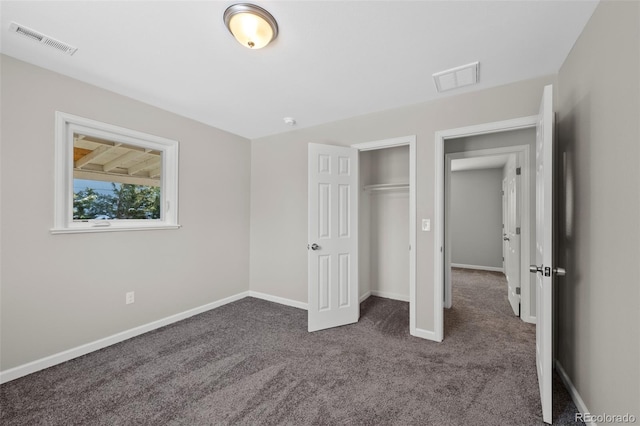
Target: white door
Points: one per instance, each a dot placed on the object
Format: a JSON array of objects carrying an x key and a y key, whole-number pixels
[
  {"x": 333, "y": 236},
  {"x": 544, "y": 250},
  {"x": 512, "y": 236}
]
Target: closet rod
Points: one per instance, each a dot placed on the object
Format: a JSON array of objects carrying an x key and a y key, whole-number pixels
[{"x": 386, "y": 187}]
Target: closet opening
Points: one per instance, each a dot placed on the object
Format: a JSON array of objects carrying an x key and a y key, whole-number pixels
[
  {"x": 387, "y": 222},
  {"x": 384, "y": 224}
]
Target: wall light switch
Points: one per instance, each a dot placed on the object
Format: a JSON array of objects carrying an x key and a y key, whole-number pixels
[{"x": 426, "y": 224}]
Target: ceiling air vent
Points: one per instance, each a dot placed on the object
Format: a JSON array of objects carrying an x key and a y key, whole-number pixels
[
  {"x": 464, "y": 75},
  {"x": 41, "y": 38}
]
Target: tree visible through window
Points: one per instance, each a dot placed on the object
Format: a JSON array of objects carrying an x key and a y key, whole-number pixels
[{"x": 126, "y": 201}]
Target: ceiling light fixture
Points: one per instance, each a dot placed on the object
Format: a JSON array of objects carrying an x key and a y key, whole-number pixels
[{"x": 251, "y": 25}]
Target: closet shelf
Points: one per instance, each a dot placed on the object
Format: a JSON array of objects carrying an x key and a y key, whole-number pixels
[{"x": 387, "y": 187}]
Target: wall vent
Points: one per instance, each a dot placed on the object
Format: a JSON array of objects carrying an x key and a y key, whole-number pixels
[
  {"x": 453, "y": 78},
  {"x": 26, "y": 32}
]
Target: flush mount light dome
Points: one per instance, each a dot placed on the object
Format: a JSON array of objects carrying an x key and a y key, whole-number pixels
[{"x": 251, "y": 25}]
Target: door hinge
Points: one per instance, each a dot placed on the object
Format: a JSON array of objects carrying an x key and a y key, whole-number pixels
[
  {"x": 518, "y": 171},
  {"x": 517, "y": 290},
  {"x": 518, "y": 230}
]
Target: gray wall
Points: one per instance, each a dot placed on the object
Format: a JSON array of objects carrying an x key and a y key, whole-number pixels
[
  {"x": 599, "y": 210},
  {"x": 385, "y": 259},
  {"x": 279, "y": 181},
  {"x": 62, "y": 291},
  {"x": 476, "y": 217}
]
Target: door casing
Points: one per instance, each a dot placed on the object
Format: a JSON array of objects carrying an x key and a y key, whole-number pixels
[
  {"x": 515, "y": 264},
  {"x": 439, "y": 203}
]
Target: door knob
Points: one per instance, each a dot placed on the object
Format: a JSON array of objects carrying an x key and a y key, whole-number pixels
[
  {"x": 505, "y": 238},
  {"x": 314, "y": 246},
  {"x": 560, "y": 272}
]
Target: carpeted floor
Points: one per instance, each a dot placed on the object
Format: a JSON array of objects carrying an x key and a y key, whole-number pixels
[{"x": 252, "y": 362}]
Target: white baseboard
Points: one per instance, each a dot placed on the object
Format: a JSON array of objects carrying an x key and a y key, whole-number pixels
[
  {"x": 425, "y": 334},
  {"x": 277, "y": 299},
  {"x": 389, "y": 295},
  {"x": 60, "y": 357},
  {"x": 478, "y": 267},
  {"x": 50, "y": 361},
  {"x": 575, "y": 396},
  {"x": 365, "y": 296}
]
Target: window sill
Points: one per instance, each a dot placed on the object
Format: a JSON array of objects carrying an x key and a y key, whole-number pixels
[{"x": 112, "y": 228}]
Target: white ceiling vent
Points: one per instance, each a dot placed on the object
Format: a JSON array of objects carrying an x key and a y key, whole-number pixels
[
  {"x": 41, "y": 38},
  {"x": 464, "y": 75}
]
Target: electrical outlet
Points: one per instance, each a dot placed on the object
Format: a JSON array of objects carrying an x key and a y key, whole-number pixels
[{"x": 130, "y": 297}]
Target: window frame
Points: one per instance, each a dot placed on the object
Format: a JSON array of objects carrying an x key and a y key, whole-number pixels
[{"x": 65, "y": 127}]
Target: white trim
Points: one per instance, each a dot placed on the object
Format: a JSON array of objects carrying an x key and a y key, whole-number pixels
[
  {"x": 365, "y": 296},
  {"x": 385, "y": 143},
  {"x": 98, "y": 228},
  {"x": 478, "y": 267},
  {"x": 438, "y": 241},
  {"x": 483, "y": 129},
  {"x": 439, "y": 202},
  {"x": 389, "y": 295},
  {"x": 411, "y": 142},
  {"x": 278, "y": 299},
  {"x": 573, "y": 392},
  {"x": 425, "y": 334},
  {"x": 60, "y": 357}
]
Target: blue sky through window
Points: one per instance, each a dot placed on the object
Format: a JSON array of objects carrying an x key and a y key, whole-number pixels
[{"x": 100, "y": 187}]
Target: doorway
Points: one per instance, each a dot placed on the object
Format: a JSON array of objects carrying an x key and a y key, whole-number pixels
[
  {"x": 480, "y": 232},
  {"x": 388, "y": 183},
  {"x": 384, "y": 224},
  {"x": 449, "y": 136}
]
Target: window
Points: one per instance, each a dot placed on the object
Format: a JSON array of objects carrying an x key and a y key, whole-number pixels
[{"x": 109, "y": 178}]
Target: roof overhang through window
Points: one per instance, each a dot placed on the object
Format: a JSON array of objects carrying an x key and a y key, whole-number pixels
[{"x": 103, "y": 160}]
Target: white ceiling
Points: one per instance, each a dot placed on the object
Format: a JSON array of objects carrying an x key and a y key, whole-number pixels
[
  {"x": 475, "y": 163},
  {"x": 332, "y": 59}
]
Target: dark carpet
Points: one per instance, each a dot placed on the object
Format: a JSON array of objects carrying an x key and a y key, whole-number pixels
[{"x": 252, "y": 362}]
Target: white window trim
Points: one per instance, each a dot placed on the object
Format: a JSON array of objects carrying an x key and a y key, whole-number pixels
[{"x": 66, "y": 125}]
